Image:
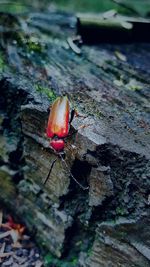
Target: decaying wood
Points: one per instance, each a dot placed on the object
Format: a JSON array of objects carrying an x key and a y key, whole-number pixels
[
  {"x": 111, "y": 242},
  {"x": 111, "y": 155}
]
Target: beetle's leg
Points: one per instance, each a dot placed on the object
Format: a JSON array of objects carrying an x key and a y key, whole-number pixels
[
  {"x": 49, "y": 108},
  {"x": 74, "y": 113},
  {"x": 84, "y": 126},
  {"x": 67, "y": 167},
  {"x": 72, "y": 116},
  {"x": 49, "y": 171},
  {"x": 79, "y": 128}
]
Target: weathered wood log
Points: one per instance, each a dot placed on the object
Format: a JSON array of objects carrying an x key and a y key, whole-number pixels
[
  {"x": 112, "y": 241},
  {"x": 111, "y": 155}
]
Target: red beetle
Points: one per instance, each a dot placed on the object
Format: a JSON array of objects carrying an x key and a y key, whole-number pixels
[
  {"x": 58, "y": 128},
  {"x": 58, "y": 123}
]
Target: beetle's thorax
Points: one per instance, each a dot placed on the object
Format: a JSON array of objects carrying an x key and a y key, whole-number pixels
[{"x": 57, "y": 144}]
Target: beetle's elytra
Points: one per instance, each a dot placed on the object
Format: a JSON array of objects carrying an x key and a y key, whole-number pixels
[{"x": 58, "y": 123}]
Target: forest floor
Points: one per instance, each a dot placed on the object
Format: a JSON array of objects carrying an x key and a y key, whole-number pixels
[{"x": 16, "y": 245}]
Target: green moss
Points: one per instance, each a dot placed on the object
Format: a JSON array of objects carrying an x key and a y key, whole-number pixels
[
  {"x": 47, "y": 91},
  {"x": 7, "y": 188},
  {"x": 87, "y": 5},
  {"x": 142, "y": 7},
  {"x": 34, "y": 46},
  {"x": 3, "y": 150},
  {"x": 2, "y": 62},
  {"x": 50, "y": 260},
  {"x": 89, "y": 252},
  {"x": 120, "y": 211},
  {"x": 133, "y": 85},
  {"x": 74, "y": 261},
  {"x": 13, "y": 7}
]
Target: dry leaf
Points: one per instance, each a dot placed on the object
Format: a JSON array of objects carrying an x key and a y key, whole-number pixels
[
  {"x": 20, "y": 260},
  {"x": 9, "y": 262},
  {"x": 73, "y": 46},
  {"x": 38, "y": 264},
  {"x": 16, "y": 245},
  {"x": 15, "y": 235},
  {"x": 5, "y": 234},
  {"x": 16, "y": 226},
  {"x": 6, "y": 254},
  {"x": 120, "y": 56},
  {"x": 2, "y": 249}
]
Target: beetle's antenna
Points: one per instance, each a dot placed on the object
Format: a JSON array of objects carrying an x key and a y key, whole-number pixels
[
  {"x": 67, "y": 167},
  {"x": 49, "y": 171}
]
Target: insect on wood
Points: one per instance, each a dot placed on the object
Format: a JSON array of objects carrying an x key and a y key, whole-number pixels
[{"x": 58, "y": 126}]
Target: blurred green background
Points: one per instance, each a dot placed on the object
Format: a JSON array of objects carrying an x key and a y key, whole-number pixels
[{"x": 141, "y": 7}]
